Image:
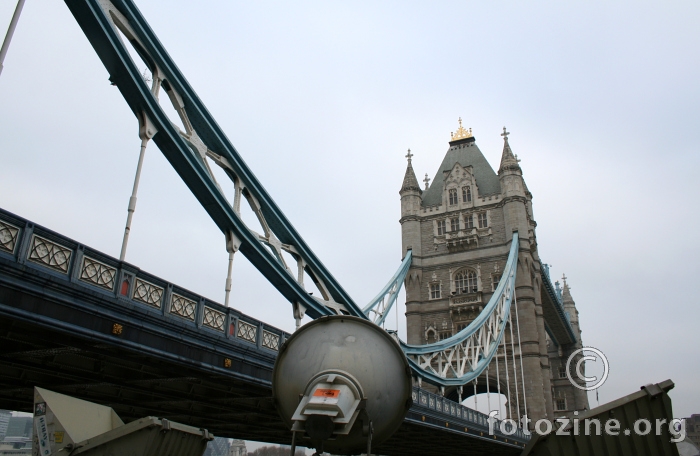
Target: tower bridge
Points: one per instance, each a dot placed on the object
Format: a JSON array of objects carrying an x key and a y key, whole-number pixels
[
  {"x": 482, "y": 313},
  {"x": 154, "y": 348}
]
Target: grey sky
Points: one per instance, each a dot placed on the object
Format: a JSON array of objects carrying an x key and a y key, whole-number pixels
[{"x": 323, "y": 99}]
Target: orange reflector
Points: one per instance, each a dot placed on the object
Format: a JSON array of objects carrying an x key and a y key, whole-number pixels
[{"x": 327, "y": 392}]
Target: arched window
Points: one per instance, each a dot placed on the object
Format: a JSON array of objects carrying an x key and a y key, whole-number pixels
[
  {"x": 466, "y": 194},
  {"x": 465, "y": 282},
  {"x": 453, "y": 196}
]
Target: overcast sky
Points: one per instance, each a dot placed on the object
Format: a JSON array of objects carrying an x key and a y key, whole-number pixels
[{"x": 322, "y": 99}]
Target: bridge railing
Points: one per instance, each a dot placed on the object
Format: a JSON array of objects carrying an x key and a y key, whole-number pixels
[
  {"x": 438, "y": 407},
  {"x": 62, "y": 258}
]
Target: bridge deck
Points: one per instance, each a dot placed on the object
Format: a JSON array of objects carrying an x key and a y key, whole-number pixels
[{"x": 78, "y": 322}]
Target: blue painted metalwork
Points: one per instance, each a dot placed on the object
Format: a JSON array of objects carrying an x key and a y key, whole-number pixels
[
  {"x": 86, "y": 283},
  {"x": 382, "y": 303},
  {"x": 476, "y": 422},
  {"x": 558, "y": 304},
  {"x": 83, "y": 290},
  {"x": 494, "y": 314},
  {"x": 187, "y": 151}
]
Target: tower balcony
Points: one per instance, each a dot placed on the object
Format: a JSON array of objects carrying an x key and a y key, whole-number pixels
[{"x": 463, "y": 239}]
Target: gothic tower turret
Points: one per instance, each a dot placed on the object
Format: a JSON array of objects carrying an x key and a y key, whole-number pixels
[
  {"x": 515, "y": 193},
  {"x": 411, "y": 201},
  {"x": 460, "y": 230},
  {"x": 410, "y": 208},
  {"x": 580, "y": 398}
]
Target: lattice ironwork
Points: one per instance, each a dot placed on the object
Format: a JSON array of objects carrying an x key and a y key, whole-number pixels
[
  {"x": 148, "y": 293},
  {"x": 214, "y": 319},
  {"x": 461, "y": 358},
  {"x": 246, "y": 331},
  {"x": 270, "y": 340},
  {"x": 50, "y": 254},
  {"x": 198, "y": 146},
  {"x": 182, "y": 307},
  {"x": 8, "y": 237},
  {"x": 378, "y": 309},
  {"x": 97, "y": 273}
]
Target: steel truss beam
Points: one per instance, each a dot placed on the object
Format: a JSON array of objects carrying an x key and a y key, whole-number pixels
[
  {"x": 461, "y": 358},
  {"x": 454, "y": 361},
  {"x": 189, "y": 152},
  {"x": 382, "y": 303}
]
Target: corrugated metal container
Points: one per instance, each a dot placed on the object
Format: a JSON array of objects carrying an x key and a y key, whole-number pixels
[
  {"x": 148, "y": 436},
  {"x": 652, "y": 403}
]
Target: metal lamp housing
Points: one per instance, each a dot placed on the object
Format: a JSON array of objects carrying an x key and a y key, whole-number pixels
[{"x": 346, "y": 371}]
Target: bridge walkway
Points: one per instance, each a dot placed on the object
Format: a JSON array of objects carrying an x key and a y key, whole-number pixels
[{"x": 78, "y": 322}]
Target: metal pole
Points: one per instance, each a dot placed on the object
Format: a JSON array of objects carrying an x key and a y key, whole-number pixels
[
  {"x": 132, "y": 200},
  {"x": 228, "y": 277},
  {"x": 515, "y": 369},
  {"x": 232, "y": 244},
  {"x": 10, "y": 32},
  {"x": 396, "y": 304},
  {"x": 505, "y": 362},
  {"x": 522, "y": 371},
  {"x": 498, "y": 383},
  {"x": 294, "y": 443},
  {"x": 488, "y": 392}
]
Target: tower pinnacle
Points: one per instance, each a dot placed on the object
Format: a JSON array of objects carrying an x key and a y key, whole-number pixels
[
  {"x": 508, "y": 160},
  {"x": 427, "y": 181},
  {"x": 409, "y": 181}
]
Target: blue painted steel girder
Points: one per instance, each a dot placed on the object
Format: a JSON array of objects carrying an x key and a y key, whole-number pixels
[{"x": 188, "y": 164}]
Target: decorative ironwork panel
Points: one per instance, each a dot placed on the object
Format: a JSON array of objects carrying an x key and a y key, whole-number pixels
[
  {"x": 438, "y": 405},
  {"x": 8, "y": 237},
  {"x": 423, "y": 399},
  {"x": 47, "y": 253},
  {"x": 214, "y": 319},
  {"x": 148, "y": 293},
  {"x": 414, "y": 396},
  {"x": 246, "y": 331},
  {"x": 431, "y": 402},
  {"x": 270, "y": 340},
  {"x": 182, "y": 307},
  {"x": 97, "y": 273}
]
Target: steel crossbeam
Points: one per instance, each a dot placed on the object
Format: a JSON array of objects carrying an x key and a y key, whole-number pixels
[
  {"x": 378, "y": 309},
  {"x": 107, "y": 25},
  {"x": 463, "y": 357},
  {"x": 189, "y": 152}
]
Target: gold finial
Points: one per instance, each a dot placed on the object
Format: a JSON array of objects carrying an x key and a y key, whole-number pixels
[{"x": 461, "y": 132}]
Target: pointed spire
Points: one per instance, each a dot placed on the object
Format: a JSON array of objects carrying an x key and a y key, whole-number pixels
[
  {"x": 567, "y": 290},
  {"x": 409, "y": 180},
  {"x": 508, "y": 160}
]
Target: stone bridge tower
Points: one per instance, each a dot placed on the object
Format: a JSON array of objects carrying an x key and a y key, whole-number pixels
[{"x": 460, "y": 229}]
